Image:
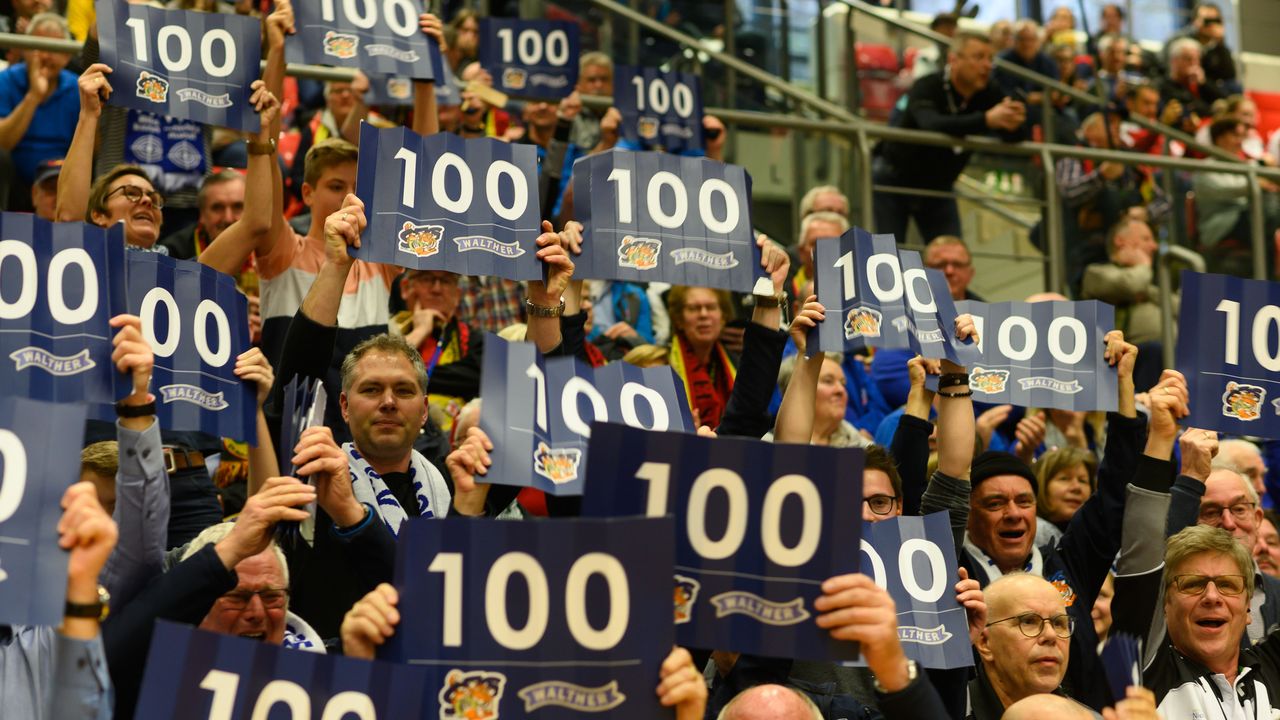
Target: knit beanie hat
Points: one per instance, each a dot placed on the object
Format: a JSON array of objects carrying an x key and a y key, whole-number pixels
[{"x": 992, "y": 463}]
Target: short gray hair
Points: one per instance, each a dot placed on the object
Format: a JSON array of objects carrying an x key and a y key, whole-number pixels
[
  {"x": 813, "y": 709},
  {"x": 215, "y": 534},
  {"x": 1183, "y": 44},
  {"x": 385, "y": 343},
  {"x": 224, "y": 175},
  {"x": 48, "y": 18},
  {"x": 811, "y": 197},
  {"x": 836, "y": 219},
  {"x": 595, "y": 58}
]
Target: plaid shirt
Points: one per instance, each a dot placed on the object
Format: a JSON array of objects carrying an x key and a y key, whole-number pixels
[{"x": 489, "y": 304}]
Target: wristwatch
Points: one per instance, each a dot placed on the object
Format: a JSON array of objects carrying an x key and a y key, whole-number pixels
[
  {"x": 94, "y": 611},
  {"x": 537, "y": 310},
  {"x": 913, "y": 671},
  {"x": 262, "y": 148},
  {"x": 136, "y": 411},
  {"x": 770, "y": 301}
]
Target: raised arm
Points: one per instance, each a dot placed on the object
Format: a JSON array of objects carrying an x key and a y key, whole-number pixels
[
  {"x": 279, "y": 25},
  {"x": 795, "y": 415},
  {"x": 426, "y": 117},
  {"x": 252, "y": 366},
  {"x": 341, "y": 229},
  {"x": 77, "y": 169},
  {"x": 350, "y": 129},
  {"x": 252, "y": 232},
  {"x": 955, "y": 411},
  {"x": 544, "y": 299}
]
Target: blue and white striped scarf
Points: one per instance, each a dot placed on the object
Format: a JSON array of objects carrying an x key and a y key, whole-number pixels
[{"x": 368, "y": 486}]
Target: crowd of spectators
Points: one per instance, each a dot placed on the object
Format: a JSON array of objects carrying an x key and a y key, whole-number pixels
[{"x": 1060, "y": 518}]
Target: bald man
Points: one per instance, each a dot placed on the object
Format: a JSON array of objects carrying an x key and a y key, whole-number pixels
[
  {"x": 1025, "y": 646},
  {"x": 1038, "y": 707},
  {"x": 770, "y": 702},
  {"x": 1244, "y": 456}
]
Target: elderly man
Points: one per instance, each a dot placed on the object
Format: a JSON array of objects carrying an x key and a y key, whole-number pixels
[
  {"x": 824, "y": 198},
  {"x": 1002, "y": 527},
  {"x": 595, "y": 77},
  {"x": 959, "y": 101},
  {"x": 39, "y": 105},
  {"x": 1209, "y": 31},
  {"x": 950, "y": 254},
  {"x": 1025, "y": 646},
  {"x": 813, "y": 227},
  {"x": 1201, "y": 671},
  {"x": 1127, "y": 281},
  {"x": 1245, "y": 457},
  {"x": 1186, "y": 83}
]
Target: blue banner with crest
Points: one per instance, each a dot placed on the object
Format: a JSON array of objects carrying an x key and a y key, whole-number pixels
[
  {"x": 530, "y": 58},
  {"x": 1229, "y": 351},
  {"x": 60, "y": 285},
  {"x": 538, "y": 411},
  {"x": 759, "y": 528},
  {"x": 184, "y": 64},
  {"x": 379, "y": 38},
  {"x": 558, "y": 618},
  {"x": 444, "y": 203},
  {"x": 877, "y": 295},
  {"x": 657, "y": 217},
  {"x": 660, "y": 109}
]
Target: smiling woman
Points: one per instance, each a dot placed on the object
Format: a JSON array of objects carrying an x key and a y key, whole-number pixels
[
  {"x": 126, "y": 194},
  {"x": 1067, "y": 478}
]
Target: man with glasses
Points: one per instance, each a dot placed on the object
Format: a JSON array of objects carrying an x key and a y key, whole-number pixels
[
  {"x": 1025, "y": 646},
  {"x": 1002, "y": 527},
  {"x": 950, "y": 254},
  {"x": 1201, "y": 671},
  {"x": 1209, "y": 30}
]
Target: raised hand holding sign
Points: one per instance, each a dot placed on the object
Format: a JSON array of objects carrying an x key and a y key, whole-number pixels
[
  {"x": 183, "y": 64},
  {"x": 444, "y": 203},
  {"x": 1042, "y": 355},
  {"x": 748, "y": 564},
  {"x": 62, "y": 283},
  {"x": 530, "y": 58},
  {"x": 657, "y": 217},
  {"x": 659, "y": 109}
]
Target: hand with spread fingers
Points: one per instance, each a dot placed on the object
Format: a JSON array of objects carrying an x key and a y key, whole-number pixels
[
  {"x": 370, "y": 622},
  {"x": 280, "y": 499}
]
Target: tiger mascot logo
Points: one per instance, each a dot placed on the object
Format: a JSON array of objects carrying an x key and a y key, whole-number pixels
[
  {"x": 639, "y": 253},
  {"x": 514, "y": 78},
  {"x": 1243, "y": 402},
  {"x": 558, "y": 466},
  {"x": 862, "y": 322},
  {"x": 988, "y": 381},
  {"x": 340, "y": 45},
  {"x": 471, "y": 695},
  {"x": 153, "y": 87},
  {"x": 420, "y": 240},
  {"x": 648, "y": 128},
  {"x": 685, "y": 596}
]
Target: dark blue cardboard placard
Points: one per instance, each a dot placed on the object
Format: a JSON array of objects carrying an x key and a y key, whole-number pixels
[
  {"x": 55, "y": 341},
  {"x": 197, "y": 322},
  {"x": 190, "y": 672},
  {"x": 36, "y": 468},
  {"x": 1229, "y": 351},
  {"x": 444, "y": 203},
  {"x": 659, "y": 109},
  {"x": 184, "y": 64},
  {"x": 877, "y": 295},
  {"x": 531, "y": 58},
  {"x": 538, "y": 412},
  {"x": 379, "y": 37},
  {"x": 567, "y": 615},
  {"x": 657, "y": 217},
  {"x": 914, "y": 558},
  {"x": 792, "y": 514},
  {"x": 1042, "y": 355}
]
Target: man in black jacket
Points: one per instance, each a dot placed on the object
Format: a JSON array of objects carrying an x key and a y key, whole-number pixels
[{"x": 960, "y": 100}]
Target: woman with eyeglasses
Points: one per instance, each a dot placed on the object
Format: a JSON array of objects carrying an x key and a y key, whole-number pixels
[
  {"x": 126, "y": 194},
  {"x": 698, "y": 314}
]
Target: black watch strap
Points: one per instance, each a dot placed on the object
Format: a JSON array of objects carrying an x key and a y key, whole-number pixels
[{"x": 135, "y": 411}]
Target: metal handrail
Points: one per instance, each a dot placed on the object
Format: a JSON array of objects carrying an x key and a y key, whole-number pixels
[
  {"x": 1168, "y": 253},
  {"x": 1046, "y": 82}
]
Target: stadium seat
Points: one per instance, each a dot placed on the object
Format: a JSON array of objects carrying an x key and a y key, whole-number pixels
[{"x": 877, "y": 72}]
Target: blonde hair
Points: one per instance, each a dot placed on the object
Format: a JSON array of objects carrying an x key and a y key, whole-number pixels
[
  {"x": 1197, "y": 539},
  {"x": 647, "y": 356},
  {"x": 327, "y": 154},
  {"x": 101, "y": 458}
]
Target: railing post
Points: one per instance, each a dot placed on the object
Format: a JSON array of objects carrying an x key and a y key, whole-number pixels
[
  {"x": 1258, "y": 228},
  {"x": 1166, "y": 305},
  {"x": 820, "y": 73},
  {"x": 865, "y": 187},
  {"x": 1053, "y": 224},
  {"x": 1048, "y": 121},
  {"x": 851, "y": 57}
]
